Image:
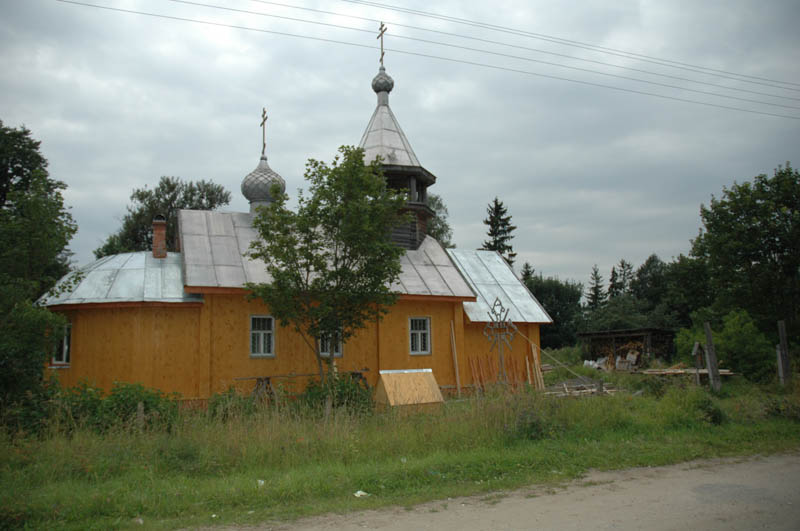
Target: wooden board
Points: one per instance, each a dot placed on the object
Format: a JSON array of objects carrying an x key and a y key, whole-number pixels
[{"x": 413, "y": 387}]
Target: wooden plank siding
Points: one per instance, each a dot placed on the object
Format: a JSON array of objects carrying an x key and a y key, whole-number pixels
[{"x": 205, "y": 349}]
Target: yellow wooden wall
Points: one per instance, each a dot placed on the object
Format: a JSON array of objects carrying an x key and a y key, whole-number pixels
[
  {"x": 478, "y": 346},
  {"x": 199, "y": 351},
  {"x": 154, "y": 346}
]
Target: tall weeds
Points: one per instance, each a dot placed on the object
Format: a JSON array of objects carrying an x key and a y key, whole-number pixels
[{"x": 286, "y": 458}]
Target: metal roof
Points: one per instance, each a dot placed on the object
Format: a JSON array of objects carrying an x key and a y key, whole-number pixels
[
  {"x": 490, "y": 277},
  {"x": 128, "y": 277},
  {"x": 429, "y": 271},
  {"x": 383, "y": 135},
  {"x": 215, "y": 244}
]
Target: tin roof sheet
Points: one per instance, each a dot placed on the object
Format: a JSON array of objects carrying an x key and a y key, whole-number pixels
[
  {"x": 490, "y": 277},
  {"x": 215, "y": 244},
  {"x": 127, "y": 277},
  {"x": 384, "y": 137}
]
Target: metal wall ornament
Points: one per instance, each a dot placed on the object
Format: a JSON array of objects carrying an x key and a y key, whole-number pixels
[{"x": 499, "y": 330}]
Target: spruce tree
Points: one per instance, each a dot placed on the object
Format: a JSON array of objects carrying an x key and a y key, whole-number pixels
[
  {"x": 500, "y": 229},
  {"x": 614, "y": 286},
  {"x": 595, "y": 295},
  {"x": 625, "y": 272},
  {"x": 526, "y": 275}
]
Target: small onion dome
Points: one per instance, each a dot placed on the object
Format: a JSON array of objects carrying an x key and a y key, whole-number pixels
[
  {"x": 256, "y": 186},
  {"x": 383, "y": 82}
]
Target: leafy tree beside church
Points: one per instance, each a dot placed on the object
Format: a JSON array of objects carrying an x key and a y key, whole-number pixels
[
  {"x": 35, "y": 228},
  {"x": 170, "y": 195},
  {"x": 332, "y": 260}
]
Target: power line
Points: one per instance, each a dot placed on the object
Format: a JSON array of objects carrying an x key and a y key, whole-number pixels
[
  {"x": 429, "y": 56},
  {"x": 499, "y": 54},
  {"x": 516, "y": 46},
  {"x": 578, "y": 44}
]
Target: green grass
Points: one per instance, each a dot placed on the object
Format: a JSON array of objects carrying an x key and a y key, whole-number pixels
[{"x": 204, "y": 466}]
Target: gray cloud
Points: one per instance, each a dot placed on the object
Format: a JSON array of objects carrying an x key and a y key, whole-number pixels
[{"x": 589, "y": 175}]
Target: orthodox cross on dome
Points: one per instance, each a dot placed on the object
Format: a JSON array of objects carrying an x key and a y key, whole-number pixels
[
  {"x": 263, "y": 130},
  {"x": 380, "y": 36}
]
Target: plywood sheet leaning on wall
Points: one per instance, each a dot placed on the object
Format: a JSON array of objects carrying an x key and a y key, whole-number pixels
[{"x": 408, "y": 390}]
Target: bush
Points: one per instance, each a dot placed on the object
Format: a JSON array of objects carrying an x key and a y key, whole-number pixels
[
  {"x": 230, "y": 405},
  {"x": 687, "y": 407},
  {"x": 31, "y": 412},
  {"x": 566, "y": 355},
  {"x": 534, "y": 420},
  {"x": 346, "y": 391},
  {"x": 82, "y": 405},
  {"x": 121, "y": 406},
  {"x": 739, "y": 346}
]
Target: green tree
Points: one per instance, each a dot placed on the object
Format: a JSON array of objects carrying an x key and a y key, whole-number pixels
[
  {"x": 438, "y": 226},
  {"x": 595, "y": 294},
  {"x": 649, "y": 284},
  {"x": 500, "y": 229},
  {"x": 687, "y": 287},
  {"x": 739, "y": 344},
  {"x": 614, "y": 287},
  {"x": 562, "y": 300},
  {"x": 619, "y": 283},
  {"x": 526, "y": 275},
  {"x": 331, "y": 262},
  {"x": 19, "y": 160},
  {"x": 170, "y": 195},
  {"x": 35, "y": 228},
  {"x": 751, "y": 243},
  {"x": 618, "y": 313}
]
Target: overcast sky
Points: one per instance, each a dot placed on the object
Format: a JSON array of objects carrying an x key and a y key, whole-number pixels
[{"x": 589, "y": 174}]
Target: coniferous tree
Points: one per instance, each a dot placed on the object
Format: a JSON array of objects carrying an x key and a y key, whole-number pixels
[
  {"x": 595, "y": 295},
  {"x": 500, "y": 229},
  {"x": 625, "y": 273},
  {"x": 526, "y": 275},
  {"x": 614, "y": 286}
]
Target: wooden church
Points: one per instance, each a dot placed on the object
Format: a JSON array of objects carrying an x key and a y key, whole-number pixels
[{"x": 181, "y": 321}]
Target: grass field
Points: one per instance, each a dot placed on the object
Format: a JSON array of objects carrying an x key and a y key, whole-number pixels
[{"x": 279, "y": 463}]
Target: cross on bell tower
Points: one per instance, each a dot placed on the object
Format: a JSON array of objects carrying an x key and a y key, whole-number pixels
[
  {"x": 380, "y": 36},
  {"x": 263, "y": 131}
]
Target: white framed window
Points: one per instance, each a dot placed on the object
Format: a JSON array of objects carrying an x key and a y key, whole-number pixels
[
  {"x": 62, "y": 348},
  {"x": 419, "y": 335},
  {"x": 328, "y": 346},
  {"x": 262, "y": 336}
]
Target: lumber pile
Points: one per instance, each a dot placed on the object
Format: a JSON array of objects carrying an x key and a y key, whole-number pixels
[
  {"x": 679, "y": 371},
  {"x": 486, "y": 371}
]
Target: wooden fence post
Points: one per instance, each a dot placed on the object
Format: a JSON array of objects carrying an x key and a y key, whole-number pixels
[
  {"x": 784, "y": 363},
  {"x": 711, "y": 360},
  {"x": 455, "y": 358},
  {"x": 780, "y": 364},
  {"x": 698, "y": 362}
]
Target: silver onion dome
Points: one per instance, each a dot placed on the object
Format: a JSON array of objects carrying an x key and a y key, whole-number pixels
[
  {"x": 257, "y": 185},
  {"x": 382, "y": 82}
]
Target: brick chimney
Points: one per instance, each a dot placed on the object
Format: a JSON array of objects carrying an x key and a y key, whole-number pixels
[{"x": 159, "y": 237}]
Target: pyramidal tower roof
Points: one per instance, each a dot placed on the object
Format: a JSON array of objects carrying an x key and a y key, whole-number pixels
[{"x": 384, "y": 136}]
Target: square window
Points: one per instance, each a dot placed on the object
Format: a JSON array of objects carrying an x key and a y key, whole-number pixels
[
  {"x": 262, "y": 336},
  {"x": 419, "y": 335},
  {"x": 62, "y": 347},
  {"x": 325, "y": 346}
]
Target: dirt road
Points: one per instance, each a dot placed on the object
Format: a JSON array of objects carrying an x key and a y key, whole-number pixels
[{"x": 746, "y": 494}]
